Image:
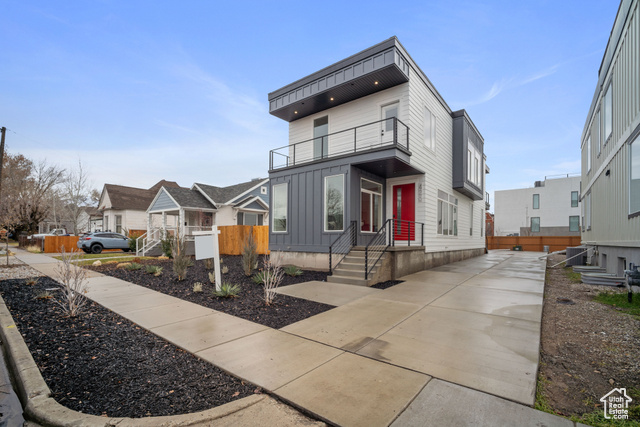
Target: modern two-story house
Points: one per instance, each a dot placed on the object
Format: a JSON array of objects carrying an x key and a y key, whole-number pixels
[
  {"x": 610, "y": 148},
  {"x": 376, "y": 162}
]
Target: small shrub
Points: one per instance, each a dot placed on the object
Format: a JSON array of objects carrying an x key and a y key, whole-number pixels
[
  {"x": 154, "y": 269},
  {"x": 34, "y": 249},
  {"x": 292, "y": 270},
  {"x": 32, "y": 282},
  {"x": 197, "y": 287},
  {"x": 133, "y": 237},
  {"x": 258, "y": 278},
  {"x": 133, "y": 266},
  {"x": 73, "y": 286},
  {"x": 167, "y": 246},
  {"x": 224, "y": 270},
  {"x": 123, "y": 265},
  {"x": 273, "y": 274},
  {"x": 44, "y": 295},
  {"x": 137, "y": 260},
  {"x": 181, "y": 261},
  {"x": 208, "y": 263},
  {"x": 212, "y": 277},
  {"x": 249, "y": 253},
  {"x": 227, "y": 290}
]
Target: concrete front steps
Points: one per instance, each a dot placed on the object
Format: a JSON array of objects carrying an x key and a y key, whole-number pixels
[{"x": 350, "y": 271}]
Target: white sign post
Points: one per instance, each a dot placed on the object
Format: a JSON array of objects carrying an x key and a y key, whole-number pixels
[{"x": 206, "y": 245}]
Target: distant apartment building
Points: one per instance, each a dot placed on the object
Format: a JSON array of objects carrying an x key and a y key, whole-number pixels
[
  {"x": 610, "y": 148},
  {"x": 550, "y": 208}
]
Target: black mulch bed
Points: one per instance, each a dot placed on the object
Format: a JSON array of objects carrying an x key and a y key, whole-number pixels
[
  {"x": 102, "y": 364},
  {"x": 387, "y": 284},
  {"x": 248, "y": 305}
]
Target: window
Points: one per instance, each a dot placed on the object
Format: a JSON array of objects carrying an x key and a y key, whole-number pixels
[
  {"x": 250, "y": 218},
  {"x": 429, "y": 129},
  {"x": 118, "y": 223},
  {"x": 370, "y": 206},
  {"x": 596, "y": 131},
  {"x": 334, "y": 203},
  {"x": 607, "y": 117},
  {"x": 536, "y": 201},
  {"x": 574, "y": 199},
  {"x": 280, "y": 207},
  {"x": 574, "y": 223},
  {"x": 535, "y": 224},
  {"x": 474, "y": 165},
  {"x": 263, "y": 190},
  {"x": 320, "y": 138},
  {"x": 587, "y": 210},
  {"x": 634, "y": 177},
  {"x": 471, "y": 222},
  {"x": 447, "y": 214},
  {"x": 588, "y": 152},
  {"x": 106, "y": 223}
]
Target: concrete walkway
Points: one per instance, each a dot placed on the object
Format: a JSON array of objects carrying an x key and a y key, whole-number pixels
[{"x": 435, "y": 350}]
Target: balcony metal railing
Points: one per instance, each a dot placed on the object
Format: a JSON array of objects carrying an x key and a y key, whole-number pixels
[{"x": 383, "y": 133}]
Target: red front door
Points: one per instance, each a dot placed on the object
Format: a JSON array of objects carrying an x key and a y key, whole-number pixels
[{"x": 404, "y": 211}]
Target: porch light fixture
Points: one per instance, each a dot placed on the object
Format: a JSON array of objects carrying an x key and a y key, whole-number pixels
[
  {"x": 376, "y": 82},
  {"x": 332, "y": 99},
  {"x": 295, "y": 112}
]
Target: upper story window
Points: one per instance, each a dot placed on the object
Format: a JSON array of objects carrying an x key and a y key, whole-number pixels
[
  {"x": 574, "y": 199},
  {"x": 279, "y": 212},
  {"x": 536, "y": 201},
  {"x": 429, "y": 129},
  {"x": 334, "y": 203},
  {"x": 588, "y": 148},
  {"x": 634, "y": 177},
  {"x": 320, "y": 138},
  {"x": 474, "y": 165},
  {"x": 596, "y": 132},
  {"x": 607, "y": 114}
]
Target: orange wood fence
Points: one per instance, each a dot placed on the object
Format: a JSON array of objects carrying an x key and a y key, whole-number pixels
[
  {"x": 53, "y": 244},
  {"x": 232, "y": 238},
  {"x": 533, "y": 243}
]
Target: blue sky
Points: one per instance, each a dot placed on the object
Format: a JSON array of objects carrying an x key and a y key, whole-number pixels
[{"x": 148, "y": 90}]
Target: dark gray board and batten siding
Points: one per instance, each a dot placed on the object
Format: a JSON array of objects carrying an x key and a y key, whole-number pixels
[
  {"x": 305, "y": 230},
  {"x": 464, "y": 132}
]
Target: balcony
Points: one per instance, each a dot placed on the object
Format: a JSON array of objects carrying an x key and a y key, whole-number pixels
[{"x": 383, "y": 135}]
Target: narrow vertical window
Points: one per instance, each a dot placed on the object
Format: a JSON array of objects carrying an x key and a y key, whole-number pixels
[
  {"x": 471, "y": 222},
  {"x": 574, "y": 199},
  {"x": 596, "y": 131},
  {"x": 429, "y": 129},
  {"x": 118, "y": 223},
  {"x": 535, "y": 224},
  {"x": 634, "y": 177},
  {"x": 536, "y": 201},
  {"x": 320, "y": 138},
  {"x": 370, "y": 205},
  {"x": 469, "y": 165},
  {"x": 280, "y": 207},
  {"x": 334, "y": 203},
  {"x": 587, "y": 211},
  {"x": 588, "y": 145},
  {"x": 607, "y": 115}
]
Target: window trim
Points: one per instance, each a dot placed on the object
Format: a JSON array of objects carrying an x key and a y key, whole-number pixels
[
  {"x": 274, "y": 194},
  {"x": 324, "y": 204}
]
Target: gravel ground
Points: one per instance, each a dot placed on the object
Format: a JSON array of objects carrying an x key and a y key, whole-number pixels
[{"x": 587, "y": 348}]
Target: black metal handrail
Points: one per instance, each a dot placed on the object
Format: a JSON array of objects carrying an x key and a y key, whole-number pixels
[
  {"x": 342, "y": 245},
  {"x": 377, "y": 247},
  {"x": 364, "y": 137},
  {"x": 406, "y": 228}
]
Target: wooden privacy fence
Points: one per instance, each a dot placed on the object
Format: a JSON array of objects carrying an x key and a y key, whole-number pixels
[
  {"x": 232, "y": 238},
  {"x": 533, "y": 243},
  {"x": 54, "y": 244}
]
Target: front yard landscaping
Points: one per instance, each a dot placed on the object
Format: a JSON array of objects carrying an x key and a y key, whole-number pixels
[{"x": 249, "y": 304}]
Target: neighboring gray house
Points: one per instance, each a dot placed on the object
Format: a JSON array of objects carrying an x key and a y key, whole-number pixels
[
  {"x": 611, "y": 149},
  {"x": 201, "y": 206},
  {"x": 549, "y": 208},
  {"x": 375, "y": 155}
]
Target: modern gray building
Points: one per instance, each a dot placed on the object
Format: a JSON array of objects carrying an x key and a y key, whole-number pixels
[
  {"x": 375, "y": 157},
  {"x": 611, "y": 149}
]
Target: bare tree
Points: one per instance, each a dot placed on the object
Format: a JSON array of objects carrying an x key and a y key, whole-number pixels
[
  {"x": 72, "y": 279},
  {"x": 76, "y": 195}
]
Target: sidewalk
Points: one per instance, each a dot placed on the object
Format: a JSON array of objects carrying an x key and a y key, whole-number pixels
[{"x": 398, "y": 356}]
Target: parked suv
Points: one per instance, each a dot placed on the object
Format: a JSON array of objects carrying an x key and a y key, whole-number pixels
[{"x": 96, "y": 242}]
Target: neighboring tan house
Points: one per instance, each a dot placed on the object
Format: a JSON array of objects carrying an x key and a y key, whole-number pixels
[
  {"x": 549, "y": 208},
  {"x": 610, "y": 148},
  {"x": 375, "y": 156},
  {"x": 124, "y": 208},
  {"x": 201, "y": 206}
]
